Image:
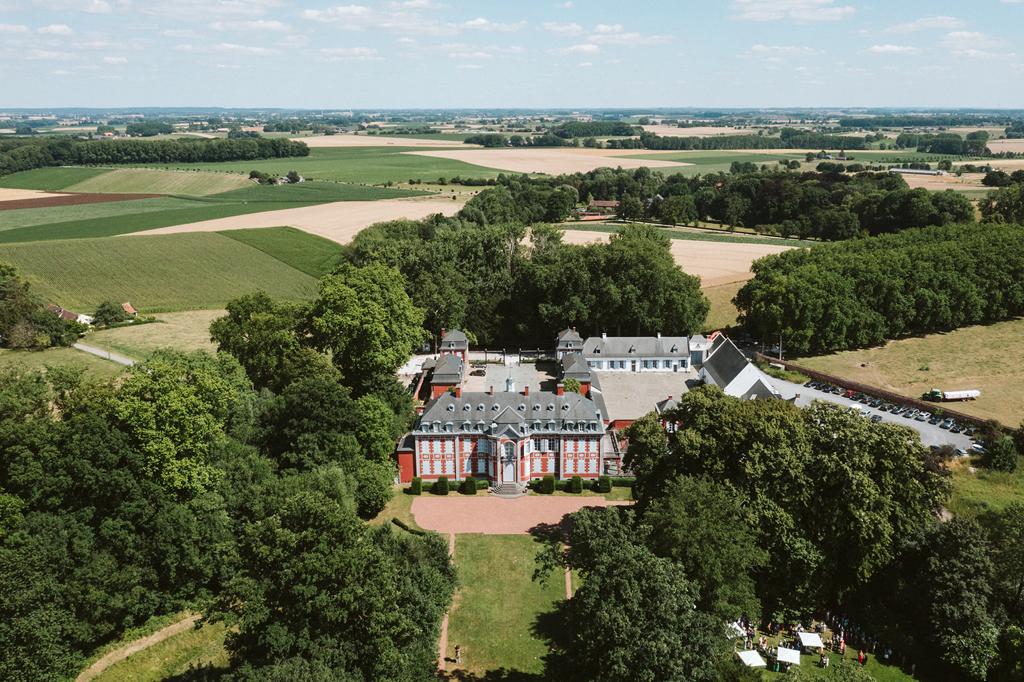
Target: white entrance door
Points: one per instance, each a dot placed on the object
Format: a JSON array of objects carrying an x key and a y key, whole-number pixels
[{"x": 508, "y": 463}]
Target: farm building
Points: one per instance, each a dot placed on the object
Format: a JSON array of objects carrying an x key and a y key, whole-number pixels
[
  {"x": 729, "y": 369},
  {"x": 916, "y": 171},
  {"x": 639, "y": 353}
]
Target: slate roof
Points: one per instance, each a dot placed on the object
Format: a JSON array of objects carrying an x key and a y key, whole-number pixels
[
  {"x": 574, "y": 366},
  {"x": 637, "y": 347},
  {"x": 453, "y": 339},
  {"x": 568, "y": 334},
  {"x": 725, "y": 363},
  {"x": 665, "y": 405},
  {"x": 447, "y": 370},
  {"x": 698, "y": 341},
  {"x": 511, "y": 409},
  {"x": 759, "y": 391}
]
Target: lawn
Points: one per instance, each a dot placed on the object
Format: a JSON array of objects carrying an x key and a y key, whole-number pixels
[
  {"x": 691, "y": 234},
  {"x": 33, "y": 360},
  {"x": 398, "y": 507},
  {"x": 159, "y": 273},
  {"x": 173, "y": 656},
  {"x": 359, "y": 165},
  {"x": 148, "y": 181},
  {"x": 49, "y": 178},
  {"x": 185, "y": 331},
  {"x": 983, "y": 490},
  {"x": 722, "y": 313},
  {"x": 305, "y": 252},
  {"x": 979, "y": 357},
  {"x": 497, "y": 605}
]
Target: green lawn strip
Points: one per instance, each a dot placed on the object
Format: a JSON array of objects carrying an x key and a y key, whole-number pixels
[
  {"x": 38, "y": 360},
  {"x": 131, "y": 634},
  {"x": 357, "y": 165},
  {"x": 708, "y": 236},
  {"x": 135, "y": 222},
  {"x": 398, "y": 507},
  {"x": 174, "y": 656},
  {"x": 880, "y": 672},
  {"x": 985, "y": 490},
  {"x": 25, "y": 217},
  {"x": 51, "y": 179},
  {"x": 303, "y": 251},
  {"x": 157, "y": 273},
  {"x": 498, "y": 603}
]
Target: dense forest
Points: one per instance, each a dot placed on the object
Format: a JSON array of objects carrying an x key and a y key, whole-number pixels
[
  {"x": 972, "y": 144},
  {"x": 762, "y": 510},
  {"x": 24, "y": 320},
  {"x": 233, "y": 484},
  {"x": 863, "y": 292},
  {"x": 485, "y": 272},
  {"x": 829, "y": 206},
  {"x": 26, "y": 154}
]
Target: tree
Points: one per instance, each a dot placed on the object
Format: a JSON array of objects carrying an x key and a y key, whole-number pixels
[
  {"x": 571, "y": 386},
  {"x": 633, "y": 618},
  {"x": 365, "y": 319},
  {"x": 1006, "y": 535},
  {"x": 703, "y": 526},
  {"x": 1002, "y": 454},
  {"x": 109, "y": 313},
  {"x": 630, "y": 208},
  {"x": 677, "y": 209}
]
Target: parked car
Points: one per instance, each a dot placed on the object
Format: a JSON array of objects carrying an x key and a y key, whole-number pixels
[
  {"x": 810, "y": 384},
  {"x": 969, "y": 432},
  {"x": 876, "y": 418},
  {"x": 978, "y": 449},
  {"x": 956, "y": 428},
  {"x": 478, "y": 373},
  {"x": 922, "y": 416},
  {"x": 876, "y": 403},
  {"x": 946, "y": 424},
  {"x": 910, "y": 414},
  {"x": 935, "y": 420},
  {"x": 898, "y": 409},
  {"x": 960, "y": 452}
]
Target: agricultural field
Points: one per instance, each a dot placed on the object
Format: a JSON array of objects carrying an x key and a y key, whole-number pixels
[
  {"x": 148, "y": 181},
  {"x": 52, "y": 179},
  {"x": 25, "y": 217},
  {"x": 358, "y": 165},
  {"x": 388, "y": 140},
  {"x": 981, "y": 357},
  {"x": 497, "y": 607},
  {"x": 977, "y": 489},
  {"x": 722, "y": 313},
  {"x": 550, "y": 160},
  {"x": 305, "y": 252},
  {"x": 184, "y": 331},
  {"x": 157, "y": 274}
]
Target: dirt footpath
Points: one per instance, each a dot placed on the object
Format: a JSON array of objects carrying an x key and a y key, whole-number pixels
[{"x": 497, "y": 516}]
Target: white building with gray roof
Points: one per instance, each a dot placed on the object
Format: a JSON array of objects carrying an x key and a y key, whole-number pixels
[
  {"x": 638, "y": 353},
  {"x": 729, "y": 369}
]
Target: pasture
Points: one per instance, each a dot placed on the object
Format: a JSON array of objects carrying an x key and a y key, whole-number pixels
[
  {"x": 982, "y": 357},
  {"x": 184, "y": 331},
  {"x": 157, "y": 274},
  {"x": 51, "y": 179},
  {"x": 38, "y": 360}
]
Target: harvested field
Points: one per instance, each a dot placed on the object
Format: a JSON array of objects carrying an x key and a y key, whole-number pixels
[
  {"x": 1004, "y": 164},
  {"x": 998, "y": 146},
  {"x": 373, "y": 141},
  {"x": 697, "y": 131},
  {"x": 14, "y": 195},
  {"x": 553, "y": 160},
  {"x": 968, "y": 181},
  {"x": 715, "y": 263},
  {"x": 339, "y": 221},
  {"x": 44, "y": 200},
  {"x": 147, "y": 180}
]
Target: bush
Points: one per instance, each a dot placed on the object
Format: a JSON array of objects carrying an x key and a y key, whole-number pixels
[
  {"x": 603, "y": 484},
  {"x": 441, "y": 486},
  {"x": 1002, "y": 454},
  {"x": 623, "y": 481},
  {"x": 482, "y": 484},
  {"x": 576, "y": 485},
  {"x": 468, "y": 486},
  {"x": 416, "y": 487},
  {"x": 547, "y": 485}
]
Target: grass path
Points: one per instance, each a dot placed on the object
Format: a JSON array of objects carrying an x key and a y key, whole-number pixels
[{"x": 136, "y": 646}]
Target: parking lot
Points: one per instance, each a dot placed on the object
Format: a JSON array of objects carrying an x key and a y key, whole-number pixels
[{"x": 931, "y": 434}]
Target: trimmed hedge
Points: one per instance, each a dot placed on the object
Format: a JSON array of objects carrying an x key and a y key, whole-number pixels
[
  {"x": 547, "y": 485},
  {"x": 406, "y": 527},
  {"x": 416, "y": 487},
  {"x": 603, "y": 484},
  {"x": 440, "y": 486},
  {"x": 576, "y": 485},
  {"x": 468, "y": 486},
  {"x": 623, "y": 481}
]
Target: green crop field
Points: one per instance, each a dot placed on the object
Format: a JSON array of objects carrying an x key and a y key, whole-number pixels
[
  {"x": 156, "y": 273},
  {"x": 149, "y": 181},
  {"x": 314, "y": 192},
  {"x": 25, "y": 217},
  {"x": 367, "y": 165},
  {"x": 49, "y": 178},
  {"x": 305, "y": 252}
]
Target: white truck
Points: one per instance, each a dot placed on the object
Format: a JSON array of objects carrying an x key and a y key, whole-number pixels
[{"x": 938, "y": 396}]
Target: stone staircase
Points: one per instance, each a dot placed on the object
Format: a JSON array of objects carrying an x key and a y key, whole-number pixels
[{"x": 508, "y": 490}]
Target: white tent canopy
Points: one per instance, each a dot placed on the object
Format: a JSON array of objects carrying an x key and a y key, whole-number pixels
[
  {"x": 788, "y": 656},
  {"x": 811, "y": 639},
  {"x": 737, "y": 629},
  {"x": 751, "y": 658}
]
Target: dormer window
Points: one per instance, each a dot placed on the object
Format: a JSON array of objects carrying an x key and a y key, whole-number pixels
[
  {"x": 522, "y": 407},
  {"x": 480, "y": 406},
  {"x": 467, "y": 407},
  {"x": 451, "y": 408},
  {"x": 565, "y": 407},
  {"x": 536, "y": 407},
  {"x": 494, "y": 407},
  {"x": 550, "y": 406},
  {"x": 674, "y": 349},
  {"x": 632, "y": 349}
]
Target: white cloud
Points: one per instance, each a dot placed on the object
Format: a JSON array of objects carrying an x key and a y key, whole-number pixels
[
  {"x": 355, "y": 54},
  {"x": 780, "y": 51},
  {"x": 970, "y": 44},
  {"x": 583, "y": 48},
  {"x": 608, "y": 28},
  {"x": 49, "y": 55},
  {"x": 470, "y": 67},
  {"x": 180, "y": 33},
  {"x": 570, "y": 29},
  {"x": 793, "y": 10},
  {"x": 935, "y": 22},
  {"x": 481, "y": 24},
  {"x": 56, "y": 30},
  {"x": 565, "y": 5},
  {"x": 246, "y": 49},
  {"x": 585, "y": 65},
  {"x": 613, "y": 34},
  {"x": 228, "y": 66},
  {"x": 257, "y": 25},
  {"x": 363, "y": 18},
  {"x": 88, "y": 6},
  {"x": 60, "y": 72},
  {"x": 13, "y": 28},
  {"x": 470, "y": 55},
  {"x": 893, "y": 49},
  {"x": 114, "y": 60}
]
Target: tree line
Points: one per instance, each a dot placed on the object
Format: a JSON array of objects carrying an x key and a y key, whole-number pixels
[
  {"x": 862, "y": 292},
  {"x": 234, "y": 484},
  {"x": 830, "y": 206},
  {"x": 20, "y": 154},
  {"x": 972, "y": 144},
  {"x": 595, "y": 129},
  {"x": 25, "y": 323},
  {"x": 485, "y": 272},
  {"x": 768, "y": 512}
]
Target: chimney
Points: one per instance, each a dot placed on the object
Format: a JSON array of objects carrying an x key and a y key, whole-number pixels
[
  {"x": 490, "y": 391},
  {"x": 526, "y": 390},
  {"x": 560, "y": 389},
  {"x": 659, "y": 335},
  {"x": 574, "y": 328},
  {"x": 604, "y": 335},
  {"x": 670, "y": 398}
]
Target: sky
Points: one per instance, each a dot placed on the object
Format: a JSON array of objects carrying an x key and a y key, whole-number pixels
[{"x": 526, "y": 53}]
